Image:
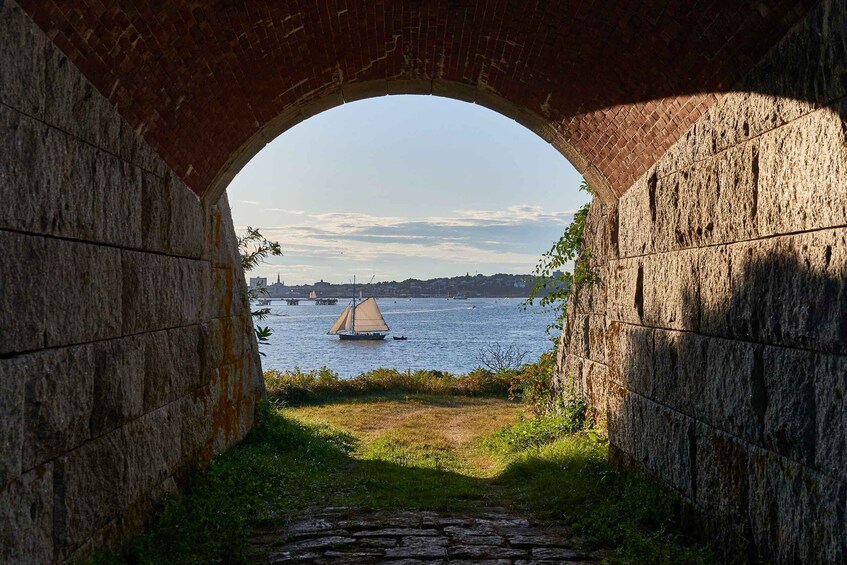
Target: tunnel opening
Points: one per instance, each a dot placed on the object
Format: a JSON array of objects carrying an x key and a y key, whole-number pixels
[{"x": 720, "y": 137}]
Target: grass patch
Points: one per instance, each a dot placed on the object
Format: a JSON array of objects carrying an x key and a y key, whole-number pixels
[
  {"x": 571, "y": 479},
  {"x": 282, "y": 466},
  {"x": 453, "y": 453},
  {"x": 540, "y": 429},
  {"x": 302, "y": 387}
]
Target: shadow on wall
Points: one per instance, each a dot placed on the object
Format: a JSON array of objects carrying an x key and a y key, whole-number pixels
[{"x": 747, "y": 417}]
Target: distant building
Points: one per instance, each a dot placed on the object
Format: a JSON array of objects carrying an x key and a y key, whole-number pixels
[{"x": 322, "y": 284}]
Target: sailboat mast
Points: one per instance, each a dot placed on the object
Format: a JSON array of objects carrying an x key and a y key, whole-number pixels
[{"x": 353, "y": 321}]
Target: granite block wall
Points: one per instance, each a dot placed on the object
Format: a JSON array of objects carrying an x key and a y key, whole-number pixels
[
  {"x": 127, "y": 354},
  {"x": 714, "y": 344}
]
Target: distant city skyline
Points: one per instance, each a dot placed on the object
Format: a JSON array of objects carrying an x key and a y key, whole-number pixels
[{"x": 405, "y": 187}]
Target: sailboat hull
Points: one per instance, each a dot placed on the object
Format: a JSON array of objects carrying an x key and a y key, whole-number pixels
[{"x": 361, "y": 337}]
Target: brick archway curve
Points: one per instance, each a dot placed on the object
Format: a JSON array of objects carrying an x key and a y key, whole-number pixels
[
  {"x": 445, "y": 89},
  {"x": 209, "y": 82}
]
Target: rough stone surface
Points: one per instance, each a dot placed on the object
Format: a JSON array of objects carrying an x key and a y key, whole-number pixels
[
  {"x": 351, "y": 535},
  {"x": 32, "y": 316},
  {"x": 725, "y": 311},
  {"x": 26, "y": 517},
  {"x": 108, "y": 345}
]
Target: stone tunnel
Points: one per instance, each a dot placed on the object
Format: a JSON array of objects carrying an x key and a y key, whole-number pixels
[{"x": 713, "y": 343}]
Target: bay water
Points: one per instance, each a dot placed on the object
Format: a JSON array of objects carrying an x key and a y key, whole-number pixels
[{"x": 444, "y": 335}]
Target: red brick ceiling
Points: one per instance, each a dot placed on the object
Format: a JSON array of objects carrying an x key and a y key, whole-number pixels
[{"x": 615, "y": 82}]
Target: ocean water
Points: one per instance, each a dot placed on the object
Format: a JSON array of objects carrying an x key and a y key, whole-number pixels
[{"x": 442, "y": 334}]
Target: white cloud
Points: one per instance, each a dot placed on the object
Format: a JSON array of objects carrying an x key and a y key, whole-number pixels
[{"x": 341, "y": 241}]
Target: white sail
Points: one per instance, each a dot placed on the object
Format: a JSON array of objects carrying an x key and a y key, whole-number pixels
[
  {"x": 313, "y": 295},
  {"x": 343, "y": 322},
  {"x": 369, "y": 318}
]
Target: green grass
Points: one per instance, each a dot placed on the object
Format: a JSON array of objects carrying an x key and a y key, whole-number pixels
[
  {"x": 435, "y": 452},
  {"x": 301, "y": 387},
  {"x": 282, "y": 466},
  {"x": 571, "y": 479}
]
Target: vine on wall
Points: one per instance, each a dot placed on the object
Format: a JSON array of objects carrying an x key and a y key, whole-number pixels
[{"x": 554, "y": 282}]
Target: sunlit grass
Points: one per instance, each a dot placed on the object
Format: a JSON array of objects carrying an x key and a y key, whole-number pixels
[{"x": 431, "y": 452}]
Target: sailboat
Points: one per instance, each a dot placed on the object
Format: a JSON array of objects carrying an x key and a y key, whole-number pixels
[{"x": 362, "y": 321}]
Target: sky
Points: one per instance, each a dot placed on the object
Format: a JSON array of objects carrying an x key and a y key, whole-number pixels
[{"x": 405, "y": 186}]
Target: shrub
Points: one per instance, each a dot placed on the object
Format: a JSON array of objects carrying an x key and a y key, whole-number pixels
[
  {"x": 541, "y": 430},
  {"x": 298, "y": 387}
]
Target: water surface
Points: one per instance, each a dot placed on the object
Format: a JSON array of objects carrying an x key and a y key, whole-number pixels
[{"x": 442, "y": 334}]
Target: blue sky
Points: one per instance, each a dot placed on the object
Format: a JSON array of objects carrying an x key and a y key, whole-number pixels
[{"x": 405, "y": 186}]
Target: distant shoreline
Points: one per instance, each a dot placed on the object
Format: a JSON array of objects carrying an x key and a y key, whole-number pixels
[{"x": 468, "y": 286}]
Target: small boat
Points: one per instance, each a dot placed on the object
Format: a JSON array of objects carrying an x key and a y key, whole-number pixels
[
  {"x": 264, "y": 302},
  {"x": 399, "y": 337},
  {"x": 360, "y": 322}
]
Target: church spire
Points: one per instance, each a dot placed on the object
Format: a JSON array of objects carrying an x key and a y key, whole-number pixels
[{"x": 277, "y": 278}]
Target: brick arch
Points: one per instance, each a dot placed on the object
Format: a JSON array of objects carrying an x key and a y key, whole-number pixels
[
  {"x": 456, "y": 91},
  {"x": 208, "y": 82}
]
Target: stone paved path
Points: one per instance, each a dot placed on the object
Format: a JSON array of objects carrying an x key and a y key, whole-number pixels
[{"x": 345, "y": 535}]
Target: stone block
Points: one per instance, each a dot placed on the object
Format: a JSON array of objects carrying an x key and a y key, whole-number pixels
[
  {"x": 12, "y": 384},
  {"x": 33, "y": 316},
  {"x": 117, "y": 201},
  {"x": 631, "y": 357},
  {"x": 599, "y": 226},
  {"x": 73, "y": 105},
  {"x": 678, "y": 373},
  {"x": 173, "y": 219},
  {"x": 23, "y": 60},
  {"x": 636, "y": 209},
  {"x": 802, "y": 174},
  {"x": 154, "y": 450},
  {"x": 26, "y": 517},
  {"x": 785, "y": 498},
  {"x": 722, "y": 484},
  {"x": 671, "y": 290},
  {"x": 789, "y": 377},
  {"x": 623, "y": 421},
  {"x": 667, "y": 444},
  {"x": 409, "y": 86},
  {"x": 55, "y": 184},
  {"x": 161, "y": 291},
  {"x": 353, "y": 91},
  {"x": 789, "y": 291},
  {"x": 118, "y": 387},
  {"x": 809, "y": 63},
  {"x": 596, "y": 343},
  {"x": 223, "y": 245},
  {"x": 830, "y": 387},
  {"x": 746, "y": 114},
  {"x": 92, "y": 485},
  {"x": 625, "y": 291},
  {"x": 727, "y": 389},
  {"x": 715, "y": 271},
  {"x": 223, "y": 300},
  {"x": 226, "y": 339},
  {"x": 595, "y": 384},
  {"x": 173, "y": 361},
  {"x": 196, "y": 419},
  {"x": 710, "y": 202},
  {"x": 58, "y": 399},
  {"x": 569, "y": 375}
]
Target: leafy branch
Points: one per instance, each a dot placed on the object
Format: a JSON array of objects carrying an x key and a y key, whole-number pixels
[
  {"x": 554, "y": 285},
  {"x": 254, "y": 249}
]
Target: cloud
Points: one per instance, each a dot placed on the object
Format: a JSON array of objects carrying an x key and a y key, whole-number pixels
[
  {"x": 250, "y": 202},
  {"x": 509, "y": 240},
  {"x": 287, "y": 211}
]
